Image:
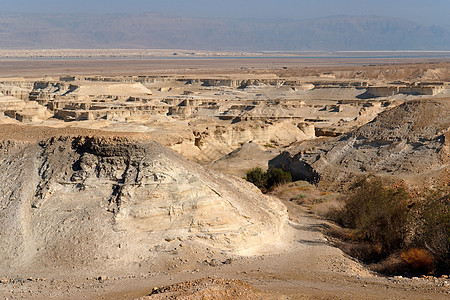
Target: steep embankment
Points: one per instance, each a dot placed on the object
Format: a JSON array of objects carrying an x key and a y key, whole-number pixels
[
  {"x": 410, "y": 142},
  {"x": 105, "y": 203}
]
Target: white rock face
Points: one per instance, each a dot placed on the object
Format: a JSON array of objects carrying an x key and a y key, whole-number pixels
[
  {"x": 106, "y": 203},
  {"x": 116, "y": 89},
  {"x": 410, "y": 142},
  {"x": 213, "y": 142}
]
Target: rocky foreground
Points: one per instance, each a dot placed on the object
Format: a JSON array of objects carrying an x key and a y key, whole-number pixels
[
  {"x": 90, "y": 215},
  {"x": 92, "y": 203}
]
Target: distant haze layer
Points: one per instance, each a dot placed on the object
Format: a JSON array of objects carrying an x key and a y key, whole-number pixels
[
  {"x": 424, "y": 12},
  {"x": 158, "y": 31}
]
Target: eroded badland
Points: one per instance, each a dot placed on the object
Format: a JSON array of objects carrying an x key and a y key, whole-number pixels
[{"x": 115, "y": 182}]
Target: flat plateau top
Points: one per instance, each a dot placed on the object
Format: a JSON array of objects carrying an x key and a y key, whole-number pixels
[
  {"x": 39, "y": 62},
  {"x": 37, "y": 133}
]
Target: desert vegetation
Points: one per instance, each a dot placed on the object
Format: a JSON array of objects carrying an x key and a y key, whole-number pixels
[
  {"x": 266, "y": 181},
  {"x": 396, "y": 231}
]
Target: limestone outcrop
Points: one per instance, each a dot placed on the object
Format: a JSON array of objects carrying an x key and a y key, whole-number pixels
[
  {"x": 409, "y": 142},
  {"x": 107, "y": 203},
  {"x": 205, "y": 116}
]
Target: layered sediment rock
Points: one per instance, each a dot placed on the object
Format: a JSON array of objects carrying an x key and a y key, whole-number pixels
[
  {"x": 410, "y": 141},
  {"x": 106, "y": 203}
]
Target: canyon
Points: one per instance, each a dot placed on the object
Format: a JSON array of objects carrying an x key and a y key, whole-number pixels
[{"x": 116, "y": 184}]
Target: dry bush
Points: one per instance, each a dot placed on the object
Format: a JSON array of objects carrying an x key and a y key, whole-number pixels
[
  {"x": 433, "y": 228},
  {"x": 397, "y": 233},
  {"x": 393, "y": 264},
  {"x": 323, "y": 209},
  {"x": 419, "y": 260},
  {"x": 345, "y": 239},
  {"x": 341, "y": 233},
  {"x": 378, "y": 214}
]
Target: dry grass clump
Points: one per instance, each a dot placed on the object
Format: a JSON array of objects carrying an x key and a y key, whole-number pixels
[{"x": 308, "y": 195}]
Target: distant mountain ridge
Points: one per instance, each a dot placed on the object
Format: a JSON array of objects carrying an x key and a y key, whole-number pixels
[{"x": 158, "y": 31}]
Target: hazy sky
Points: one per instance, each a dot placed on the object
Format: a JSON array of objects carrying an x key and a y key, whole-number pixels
[{"x": 422, "y": 11}]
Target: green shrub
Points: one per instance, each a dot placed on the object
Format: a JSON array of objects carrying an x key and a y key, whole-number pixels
[
  {"x": 256, "y": 176},
  {"x": 276, "y": 176},
  {"x": 267, "y": 180}
]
